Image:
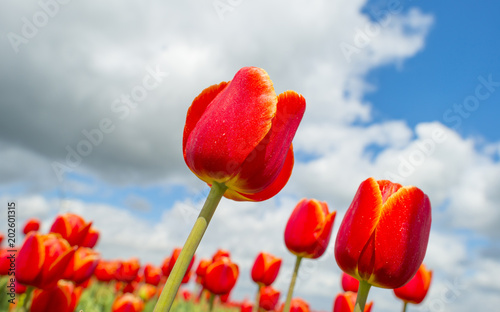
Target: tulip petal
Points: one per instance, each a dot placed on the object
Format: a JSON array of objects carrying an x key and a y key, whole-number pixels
[
  {"x": 30, "y": 259},
  {"x": 402, "y": 235},
  {"x": 265, "y": 162},
  {"x": 232, "y": 125},
  {"x": 358, "y": 226},
  {"x": 197, "y": 109}
]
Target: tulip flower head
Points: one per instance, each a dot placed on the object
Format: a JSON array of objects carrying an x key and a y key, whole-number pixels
[
  {"x": 61, "y": 298},
  {"x": 127, "y": 303},
  {"x": 152, "y": 274},
  {"x": 91, "y": 238},
  {"x": 169, "y": 265},
  {"x": 42, "y": 259},
  {"x": 71, "y": 227},
  {"x": 239, "y": 133},
  {"x": 345, "y": 302},
  {"x": 82, "y": 265},
  {"x": 127, "y": 270},
  {"x": 31, "y": 225},
  {"x": 349, "y": 283},
  {"x": 309, "y": 228},
  {"x": 296, "y": 305},
  {"x": 269, "y": 298},
  {"x": 384, "y": 234},
  {"x": 202, "y": 269},
  {"x": 265, "y": 268},
  {"x": 416, "y": 289},
  {"x": 221, "y": 276},
  {"x": 106, "y": 270}
]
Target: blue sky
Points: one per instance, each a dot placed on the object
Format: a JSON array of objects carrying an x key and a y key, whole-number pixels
[{"x": 371, "y": 114}]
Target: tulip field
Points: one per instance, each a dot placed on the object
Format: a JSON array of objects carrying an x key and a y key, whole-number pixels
[{"x": 238, "y": 140}]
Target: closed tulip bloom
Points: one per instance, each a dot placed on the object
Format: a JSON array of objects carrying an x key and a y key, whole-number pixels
[
  {"x": 345, "y": 302},
  {"x": 152, "y": 274},
  {"x": 127, "y": 270},
  {"x": 309, "y": 228},
  {"x": 296, "y": 305},
  {"x": 265, "y": 268},
  {"x": 239, "y": 133},
  {"x": 202, "y": 269},
  {"x": 349, "y": 283},
  {"x": 220, "y": 253},
  {"x": 31, "y": 225},
  {"x": 91, "y": 238},
  {"x": 61, "y": 298},
  {"x": 269, "y": 298},
  {"x": 384, "y": 234},
  {"x": 127, "y": 303},
  {"x": 416, "y": 289},
  {"x": 82, "y": 265},
  {"x": 72, "y": 227},
  {"x": 221, "y": 276},
  {"x": 42, "y": 259},
  {"x": 106, "y": 270}
]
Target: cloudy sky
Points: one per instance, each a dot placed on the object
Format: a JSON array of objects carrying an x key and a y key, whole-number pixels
[{"x": 93, "y": 99}]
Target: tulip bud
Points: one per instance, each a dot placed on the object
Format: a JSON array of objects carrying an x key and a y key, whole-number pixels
[
  {"x": 71, "y": 227},
  {"x": 345, "y": 302},
  {"x": 31, "y": 225},
  {"x": 269, "y": 298},
  {"x": 265, "y": 268},
  {"x": 416, "y": 289},
  {"x": 221, "y": 276},
  {"x": 349, "y": 283}
]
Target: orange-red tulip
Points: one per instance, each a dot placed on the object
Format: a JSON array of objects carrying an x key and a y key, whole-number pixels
[
  {"x": 416, "y": 289},
  {"x": 220, "y": 253},
  {"x": 246, "y": 306},
  {"x": 91, "y": 238},
  {"x": 349, "y": 283},
  {"x": 384, "y": 234},
  {"x": 265, "y": 268},
  {"x": 61, "y": 298},
  {"x": 105, "y": 270},
  {"x": 7, "y": 261},
  {"x": 127, "y": 270},
  {"x": 42, "y": 259},
  {"x": 72, "y": 227},
  {"x": 345, "y": 302},
  {"x": 240, "y": 133},
  {"x": 296, "y": 305},
  {"x": 147, "y": 291},
  {"x": 31, "y": 225},
  {"x": 82, "y": 265},
  {"x": 127, "y": 303},
  {"x": 152, "y": 274},
  {"x": 309, "y": 228},
  {"x": 221, "y": 276},
  {"x": 269, "y": 298}
]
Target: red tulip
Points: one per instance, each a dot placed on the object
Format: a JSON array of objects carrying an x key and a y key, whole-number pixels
[
  {"x": 349, "y": 283},
  {"x": 72, "y": 227},
  {"x": 127, "y": 270},
  {"x": 384, "y": 234},
  {"x": 169, "y": 263},
  {"x": 127, "y": 303},
  {"x": 416, "y": 289},
  {"x": 246, "y": 306},
  {"x": 42, "y": 259},
  {"x": 240, "y": 133},
  {"x": 220, "y": 253},
  {"x": 82, "y": 265},
  {"x": 61, "y": 298},
  {"x": 345, "y": 302},
  {"x": 269, "y": 298},
  {"x": 309, "y": 228},
  {"x": 91, "y": 238},
  {"x": 105, "y": 270},
  {"x": 7, "y": 261},
  {"x": 221, "y": 276},
  {"x": 296, "y": 305},
  {"x": 152, "y": 274},
  {"x": 265, "y": 268},
  {"x": 146, "y": 292},
  {"x": 31, "y": 225}
]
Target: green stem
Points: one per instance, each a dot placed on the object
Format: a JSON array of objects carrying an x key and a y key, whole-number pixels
[
  {"x": 257, "y": 299},
  {"x": 211, "y": 303},
  {"x": 363, "y": 290},
  {"x": 292, "y": 285},
  {"x": 174, "y": 280},
  {"x": 27, "y": 300},
  {"x": 404, "y": 306}
]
